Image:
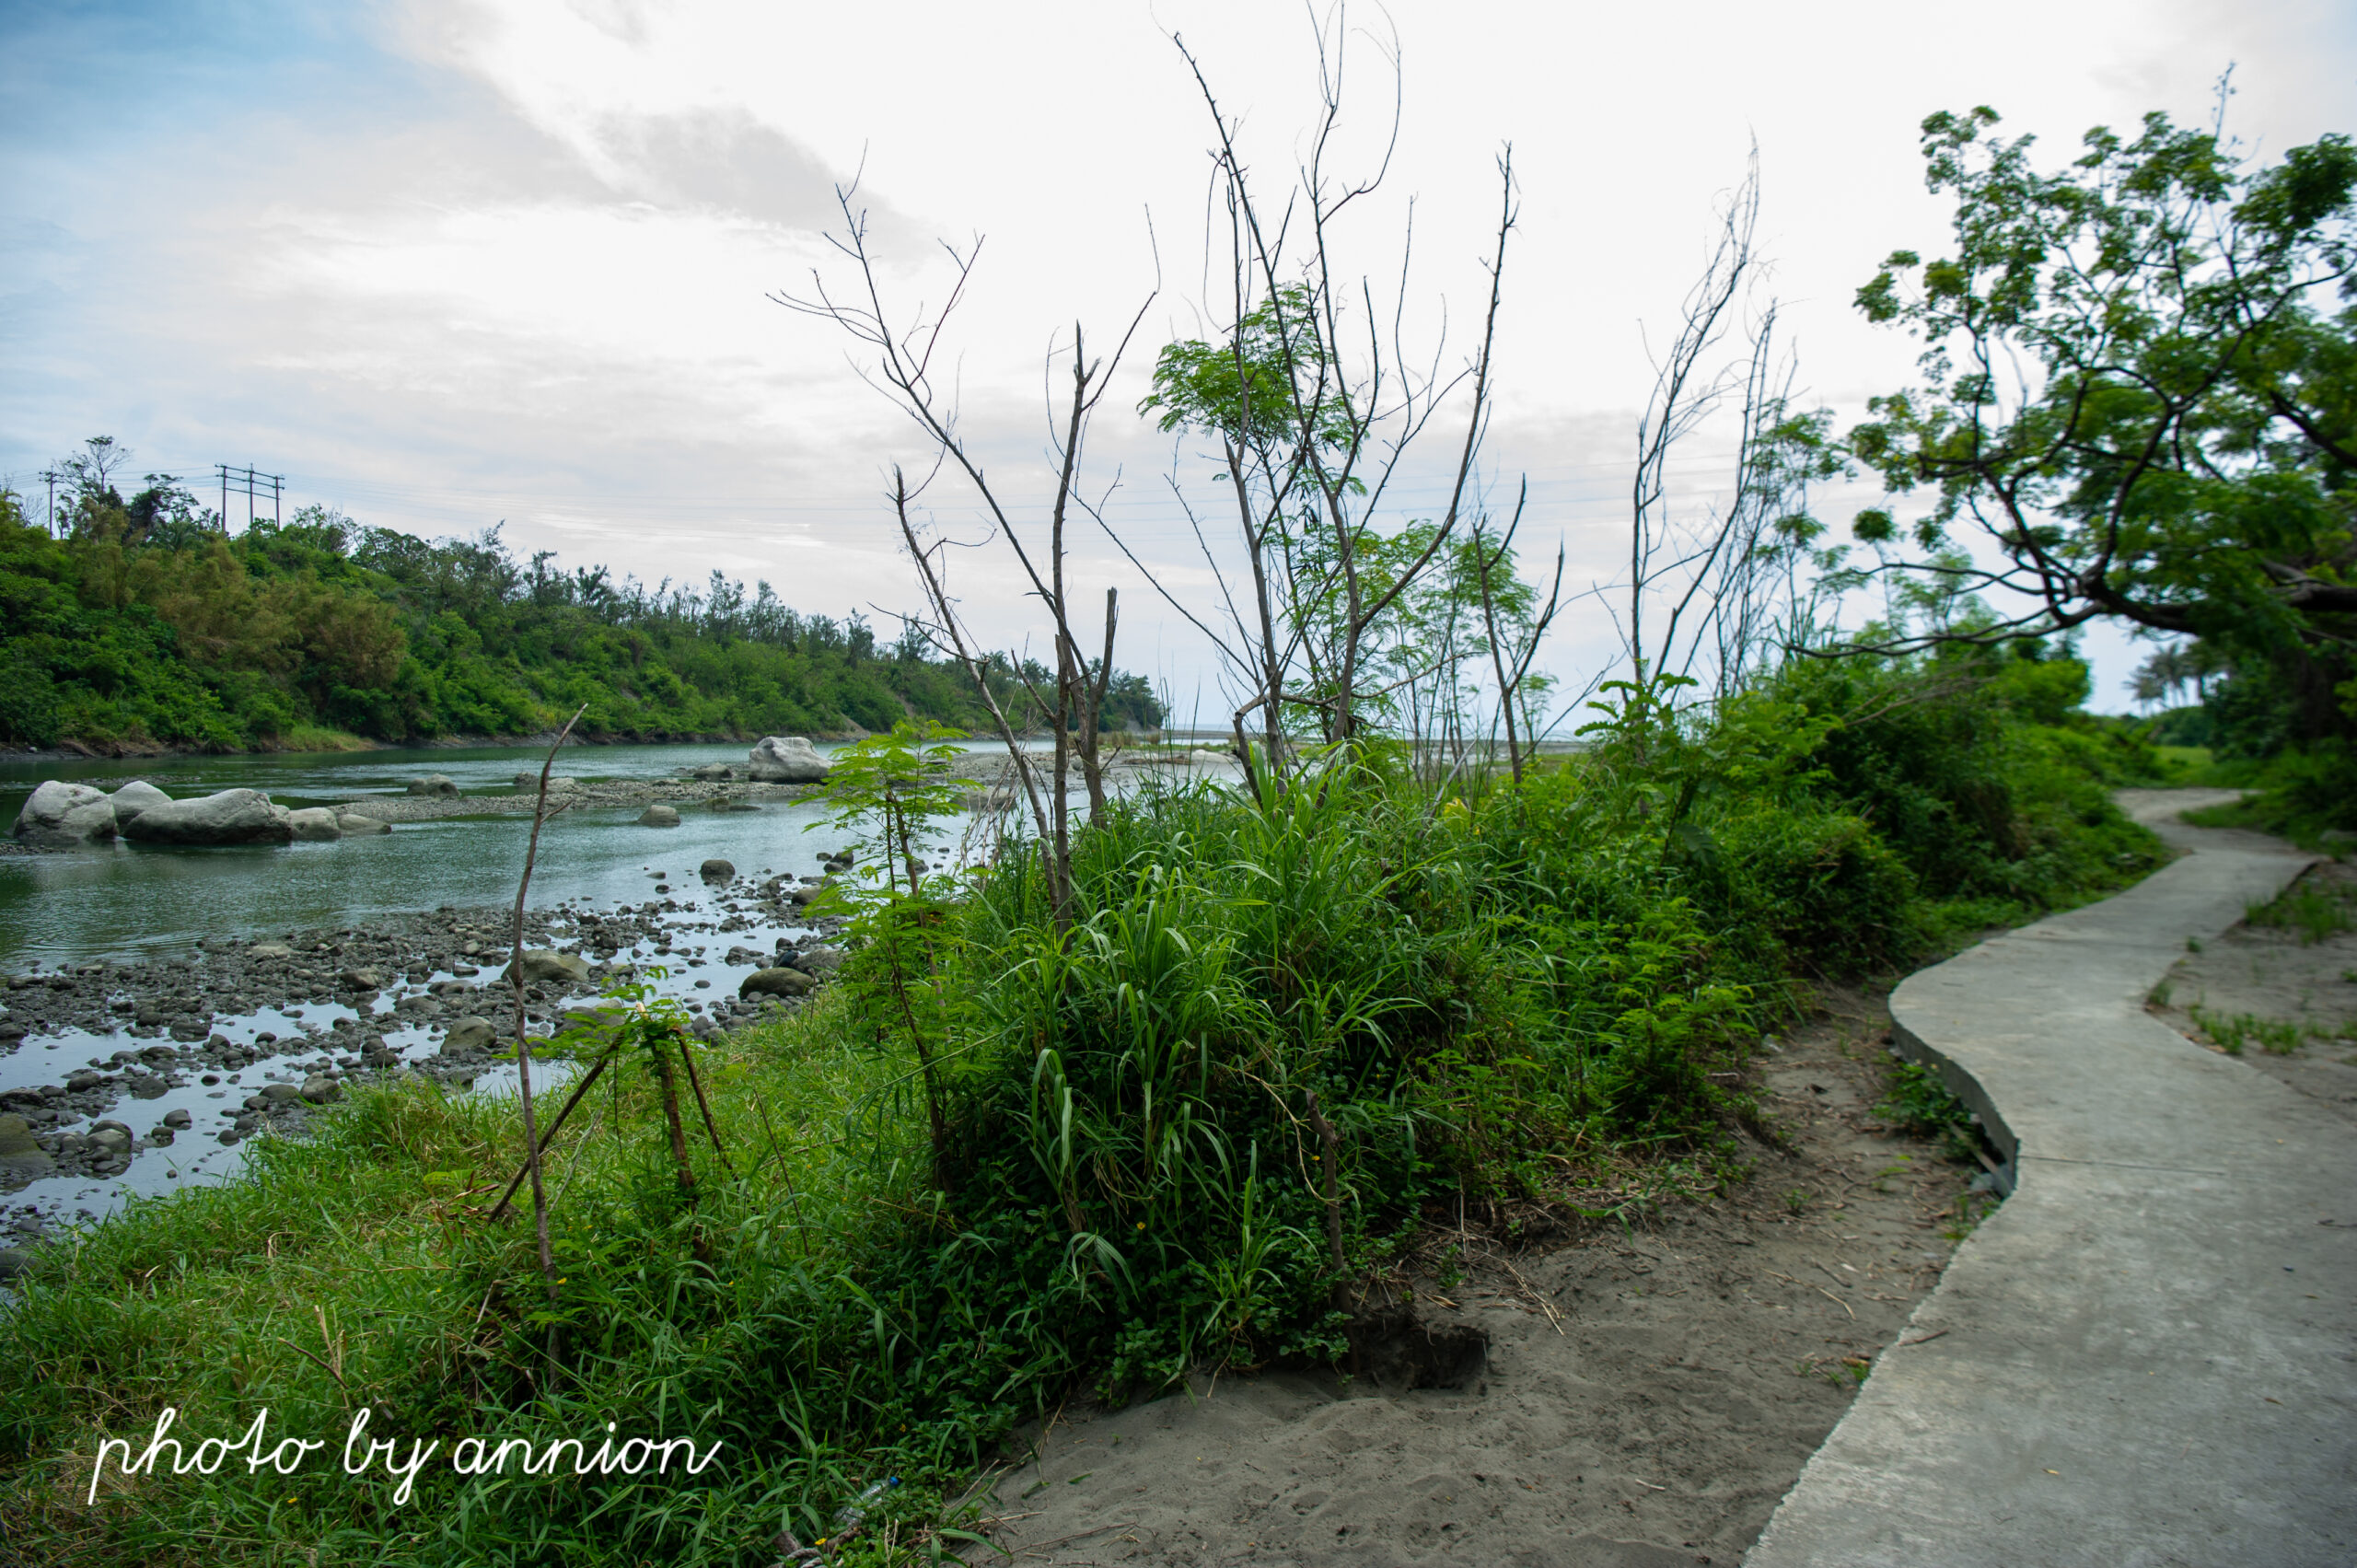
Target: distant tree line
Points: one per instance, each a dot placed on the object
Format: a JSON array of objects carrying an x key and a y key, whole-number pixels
[{"x": 139, "y": 622}]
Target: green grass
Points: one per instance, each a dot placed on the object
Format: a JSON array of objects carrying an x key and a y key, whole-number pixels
[
  {"x": 2314, "y": 911},
  {"x": 2232, "y": 1031}
]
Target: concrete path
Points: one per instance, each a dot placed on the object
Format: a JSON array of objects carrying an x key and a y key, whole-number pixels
[{"x": 2147, "y": 1357}]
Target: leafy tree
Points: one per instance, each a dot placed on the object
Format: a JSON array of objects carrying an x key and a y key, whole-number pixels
[{"x": 2141, "y": 386}]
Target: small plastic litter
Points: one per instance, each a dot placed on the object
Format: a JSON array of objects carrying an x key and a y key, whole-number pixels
[{"x": 849, "y": 1517}]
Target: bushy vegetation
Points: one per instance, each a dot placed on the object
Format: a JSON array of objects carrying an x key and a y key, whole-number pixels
[
  {"x": 1016, "y": 1152},
  {"x": 146, "y": 626}
]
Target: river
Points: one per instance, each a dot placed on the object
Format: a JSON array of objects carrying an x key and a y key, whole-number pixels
[{"x": 146, "y": 909}]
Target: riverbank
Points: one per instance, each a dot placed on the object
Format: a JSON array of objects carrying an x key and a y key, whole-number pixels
[
  {"x": 242, "y": 1037},
  {"x": 72, "y": 750}
]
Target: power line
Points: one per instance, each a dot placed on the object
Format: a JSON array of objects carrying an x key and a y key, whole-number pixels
[{"x": 253, "y": 484}]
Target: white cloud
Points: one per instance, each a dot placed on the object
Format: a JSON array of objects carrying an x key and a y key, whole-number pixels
[{"x": 516, "y": 267}]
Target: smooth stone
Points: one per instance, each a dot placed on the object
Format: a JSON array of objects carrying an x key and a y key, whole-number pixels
[
  {"x": 659, "y": 817},
  {"x": 178, "y": 1119},
  {"x": 786, "y": 758},
  {"x": 717, "y": 870},
  {"x": 60, "y": 816},
  {"x": 362, "y": 980},
  {"x": 713, "y": 773},
  {"x": 529, "y": 784},
  {"x": 111, "y": 1140},
  {"x": 228, "y": 816},
  {"x": 820, "y": 961},
  {"x": 314, "y": 824},
  {"x": 269, "y": 950},
  {"x": 21, "y": 1158},
  {"x": 466, "y": 1035},
  {"x": 279, "y": 1094},
  {"x": 433, "y": 784},
  {"x": 133, "y": 798},
  {"x": 541, "y": 964},
  {"x": 14, "y": 1263},
  {"x": 777, "y": 983},
  {"x": 352, "y": 824},
  {"x": 319, "y": 1090}
]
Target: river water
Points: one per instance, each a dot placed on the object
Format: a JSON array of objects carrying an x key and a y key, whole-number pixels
[
  {"x": 151, "y": 905},
  {"x": 125, "y": 900}
]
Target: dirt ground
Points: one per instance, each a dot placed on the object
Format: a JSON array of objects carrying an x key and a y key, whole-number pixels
[
  {"x": 1644, "y": 1397},
  {"x": 2299, "y": 977}
]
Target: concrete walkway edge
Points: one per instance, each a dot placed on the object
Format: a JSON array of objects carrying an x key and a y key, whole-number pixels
[{"x": 2147, "y": 1356}]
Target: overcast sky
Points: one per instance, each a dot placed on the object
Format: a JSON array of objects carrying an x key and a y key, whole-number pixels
[{"x": 446, "y": 263}]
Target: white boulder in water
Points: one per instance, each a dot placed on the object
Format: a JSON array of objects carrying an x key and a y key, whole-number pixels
[
  {"x": 59, "y": 815},
  {"x": 231, "y": 817},
  {"x": 134, "y": 797},
  {"x": 351, "y": 823},
  {"x": 314, "y": 822},
  {"x": 786, "y": 758}
]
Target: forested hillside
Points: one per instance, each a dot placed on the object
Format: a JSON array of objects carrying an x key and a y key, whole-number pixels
[{"x": 146, "y": 626}]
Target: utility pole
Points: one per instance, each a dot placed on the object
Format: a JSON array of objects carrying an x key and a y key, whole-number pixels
[
  {"x": 52, "y": 476},
  {"x": 253, "y": 480}
]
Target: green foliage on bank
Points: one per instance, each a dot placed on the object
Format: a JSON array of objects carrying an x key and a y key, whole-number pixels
[
  {"x": 1535, "y": 994},
  {"x": 144, "y": 626}
]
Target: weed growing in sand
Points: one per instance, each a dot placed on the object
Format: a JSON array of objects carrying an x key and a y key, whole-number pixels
[
  {"x": 1844, "y": 1372},
  {"x": 1798, "y": 1200},
  {"x": 1967, "y": 1213},
  {"x": 2314, "y": 911},
  {"x": 2232, "y": 1031},
  {"x": 1920, "y": 1104},
  {"x": 2160, "y": 996}
]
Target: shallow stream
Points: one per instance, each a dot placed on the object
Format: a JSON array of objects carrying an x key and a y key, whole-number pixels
[{"x": 150, "y": 913}]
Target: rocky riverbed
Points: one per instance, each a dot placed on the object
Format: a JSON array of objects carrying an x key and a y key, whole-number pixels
[{"x": 244, "y": 1037}]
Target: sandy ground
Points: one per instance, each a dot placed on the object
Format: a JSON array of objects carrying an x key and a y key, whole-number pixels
[
  {"x": 2281, "y": 975},
  {"x": 1645, "y": 1397}
]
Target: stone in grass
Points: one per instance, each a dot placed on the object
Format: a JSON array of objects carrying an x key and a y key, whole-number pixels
[
  {"x": 659, "y": 817},
  {"x": 777, "y": 983},
  {"x": 820, "y": 961},
  {"x": 543, "y": 966},
  {"x": 319, "y": 1090},
  {"x": 467, "y": 1035}
]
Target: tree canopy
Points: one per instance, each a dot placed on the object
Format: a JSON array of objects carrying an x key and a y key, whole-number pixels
[{"x": 2139, "y": 386}]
